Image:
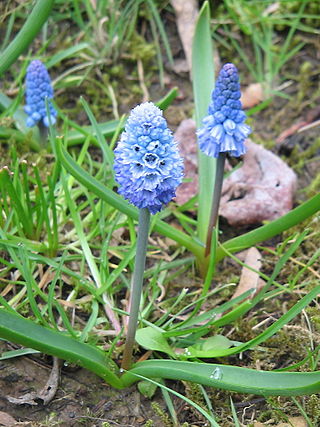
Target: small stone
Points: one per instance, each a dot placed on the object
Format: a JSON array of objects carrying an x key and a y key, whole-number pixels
[{"x": 261, "y": 190}]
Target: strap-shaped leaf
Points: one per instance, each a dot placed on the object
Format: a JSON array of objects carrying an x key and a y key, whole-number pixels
[
  {"x": 19, "y": 330},
  {"x": 234, "y": 378},
  {"x": 28, "y": 32},
  {"x": 203, "y": 83}
]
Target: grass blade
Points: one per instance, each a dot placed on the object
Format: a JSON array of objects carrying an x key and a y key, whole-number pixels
[
  {"x": 269, "y": 332},
  {"x": 28, "y": 32},
  {"x": 109, "y": 128}
]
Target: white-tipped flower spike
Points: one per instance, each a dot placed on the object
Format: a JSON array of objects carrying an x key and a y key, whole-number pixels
[
  {"x": 223, "y": 129},
  {"x": 148, "y": 165},
  {"x": 38, "y": 88}
]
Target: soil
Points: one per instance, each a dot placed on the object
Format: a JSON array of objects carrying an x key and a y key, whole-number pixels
[{"x": 82, "y": 398}]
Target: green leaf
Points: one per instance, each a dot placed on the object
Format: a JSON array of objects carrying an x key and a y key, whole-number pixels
[
  {"x": 19, "y": 330},
  {"x": 147, "y": 388},
  {"x": 20, "y": 118},
  {"x": 203, "y": 346},
  {"x": 203, "y": 83},
  {"x": 269, "y": 332},
  {"x": 234, "y": 378},
  {"x": 17, "y": 353},
  {"x": 153, "y": 339},
  {"x": 26, "y": 35},
  {"x": 66, "y": 53}
]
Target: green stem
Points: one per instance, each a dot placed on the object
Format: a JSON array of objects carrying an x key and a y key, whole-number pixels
[
  {"x": 215, "y": 200},
  {"x": 43, "y": 132},
  {"x": 26, "y": 35},
  {"x": 137, "y": 281}
]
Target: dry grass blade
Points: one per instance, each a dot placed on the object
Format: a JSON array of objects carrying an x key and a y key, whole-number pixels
[{"x": 250, "y": 279}]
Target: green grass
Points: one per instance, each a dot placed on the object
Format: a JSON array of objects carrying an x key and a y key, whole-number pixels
[
  {"x": 272, "y": 32},
  {"x": 67, "y": 240}
]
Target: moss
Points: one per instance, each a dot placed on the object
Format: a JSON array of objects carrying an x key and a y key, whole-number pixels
[
  {"x": 299, "y": 158},
  {"x": 314, "y": 186},
  {"x": 312, "y": 407},
  {"x": 314, "y": 316},
  {"x": 279, "y": 407},
  {"x": 194, "y": 393},
  {"x": 161, "y": 414}
]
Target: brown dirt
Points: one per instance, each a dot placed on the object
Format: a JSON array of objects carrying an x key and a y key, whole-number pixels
[{"x": 82, "y": 399}]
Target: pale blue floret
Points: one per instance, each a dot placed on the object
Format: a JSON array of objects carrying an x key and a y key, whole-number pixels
[
  {"x": 38, "y": 88},
  {"x": 224, "y": 130},
  {"x": 148, "y": 165}
]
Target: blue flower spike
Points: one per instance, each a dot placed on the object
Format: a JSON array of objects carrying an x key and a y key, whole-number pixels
[
  {"x": 38, "y": 88},
  {"x": 148, "y": 170},
  {"x": 223, "y": 129},
  {"x": 148, "y": 165}
]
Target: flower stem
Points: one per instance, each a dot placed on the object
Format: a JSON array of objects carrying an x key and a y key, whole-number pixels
[
  {"x": 215, "y": 200},
  {"x": 136, "y": 287},
  {"x": 43, "y": 133}
]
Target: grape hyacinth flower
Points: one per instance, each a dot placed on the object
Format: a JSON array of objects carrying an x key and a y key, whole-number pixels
[
  {"x": 223, "y": 129},
  {"x": 38, "y": 88},
  {"x": 148, "y": 169},
  {"x": 147, "y": 162}
]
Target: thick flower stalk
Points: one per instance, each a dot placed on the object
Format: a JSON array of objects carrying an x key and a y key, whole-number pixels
[
  {"x": 223, "y": 131},
  {"x": 38, "y": 89},
  {"x": 147, "y": 162},
  {"x": 148, "y": 169}
]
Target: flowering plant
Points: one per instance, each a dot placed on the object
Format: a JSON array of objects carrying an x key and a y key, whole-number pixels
[
  {"x": 147, "y": 169},
  {"x": 38, "y": 89},
  {"x": 223, "y": 129},
  {"x": 147, "y": 162}
]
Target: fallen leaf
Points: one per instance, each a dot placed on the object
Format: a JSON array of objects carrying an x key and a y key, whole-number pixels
[
  {"x": 46, "y": 394},
  {"x": 252, "y": 95},
  {"x": 294, "y": 422},
  {"x": 186, "y": 14},
  {"x": 250, "y": 279},
  {"x": 7, "y": 420},
  {"x": 261, "y": 190}
]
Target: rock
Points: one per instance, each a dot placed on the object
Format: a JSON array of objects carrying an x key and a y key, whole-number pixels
[
  {"x": 261, "y": 190},
  {"x": 185, "y": 135}
]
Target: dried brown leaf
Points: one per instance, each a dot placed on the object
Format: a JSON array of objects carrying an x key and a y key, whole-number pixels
[
  {"x": 252, "y": 95},
  {"x": 293, "y": 421},
  {"x": 46, "y": 394},
  {"x": 249, "y": 279},
  {"x": 7, "y": 420},
  {"x": 186, "y": 14}
]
